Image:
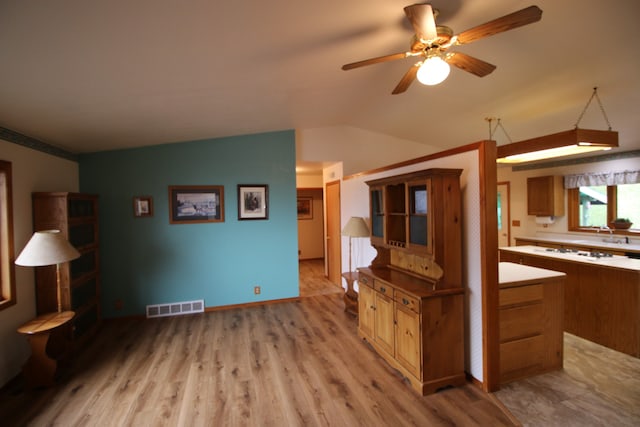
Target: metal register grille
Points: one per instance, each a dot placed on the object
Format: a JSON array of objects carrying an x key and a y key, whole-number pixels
[{"x": 175, "y": 308}]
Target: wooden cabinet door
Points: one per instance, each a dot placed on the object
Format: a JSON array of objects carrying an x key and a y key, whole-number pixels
[
  {"x": 376, "y": 205},
  {"x": 384, "y": 325},
  {"x": 408, "y": 340},
  {"x": 366, "y": 311},
  {"x": 420, "y": 232},
  {"x": 545, "y": 196}
]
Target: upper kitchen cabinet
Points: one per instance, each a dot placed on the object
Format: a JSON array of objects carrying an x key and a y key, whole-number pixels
[{"x": 545, "y": 196}]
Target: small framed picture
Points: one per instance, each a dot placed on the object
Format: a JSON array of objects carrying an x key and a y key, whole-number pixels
[
  {"x": 190, "y": 204},
  {"x": 142, "y": 206},
  {"x": 305, "y": 207},
  {"x": 253, "y": 202}
]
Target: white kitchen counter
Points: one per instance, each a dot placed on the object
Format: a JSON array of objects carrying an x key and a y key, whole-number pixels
[
  {"x": 590, "y": 242},
  {"x": 512, "y": 274},
  {"x": 615, "y": 261}
]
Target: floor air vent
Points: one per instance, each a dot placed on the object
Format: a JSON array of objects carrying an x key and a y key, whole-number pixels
[{"x": 175, "y": 308}]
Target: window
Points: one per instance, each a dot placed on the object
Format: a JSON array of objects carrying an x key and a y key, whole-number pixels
[
  {"x": 629, "y": 203},
  {"x": 598, "y": 205},
  {"x": 8, "y": 297}
]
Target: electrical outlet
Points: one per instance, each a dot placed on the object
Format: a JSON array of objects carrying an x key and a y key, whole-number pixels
[{"x": 256, "y": 290}]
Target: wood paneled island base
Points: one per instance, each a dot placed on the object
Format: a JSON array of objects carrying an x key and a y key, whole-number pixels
[
  {"x": 531, "y": 320},
  {"x": 602, "y": 302}
]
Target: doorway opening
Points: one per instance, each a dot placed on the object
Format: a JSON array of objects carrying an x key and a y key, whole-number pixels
[
  {"x": 504, "y": 215},
  {"x": 311, "y": 244}
]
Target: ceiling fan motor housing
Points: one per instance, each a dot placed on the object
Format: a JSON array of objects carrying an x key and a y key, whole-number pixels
[{"x": 444, "y": 36}]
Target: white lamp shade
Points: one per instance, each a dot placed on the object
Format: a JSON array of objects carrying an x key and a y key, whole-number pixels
[
  {"x": 356, "y": 227},
  {"x": 433, "y": 71},
  {"x": 47, "y": 247}
]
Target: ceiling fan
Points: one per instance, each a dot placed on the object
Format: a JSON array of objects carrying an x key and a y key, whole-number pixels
[{"x": 431, "y": 42}]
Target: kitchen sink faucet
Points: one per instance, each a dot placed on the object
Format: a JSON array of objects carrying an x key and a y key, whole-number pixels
[{"x": 610, "y": 239}]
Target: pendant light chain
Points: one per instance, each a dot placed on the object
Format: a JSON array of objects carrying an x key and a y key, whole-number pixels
[
  {"x": 594, "y": 95},
  {"x": 498, "y": 125}
]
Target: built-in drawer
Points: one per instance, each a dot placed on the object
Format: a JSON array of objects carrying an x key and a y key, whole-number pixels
[
  {"x": 521, "y": 295},
  {"x": 405, "y": 300},
  {"x": 384, "y": 288},
  {"x": 521, "y": 322},
  {"x": 365, "y": 280},
  {"x": 521, "y": 358}
]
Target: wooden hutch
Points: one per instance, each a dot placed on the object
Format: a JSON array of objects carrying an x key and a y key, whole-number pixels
[{"x": 411, "y": 297}]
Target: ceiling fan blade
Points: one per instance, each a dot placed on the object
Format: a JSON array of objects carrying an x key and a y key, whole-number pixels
[
  {"x": 421, "y": 17},
  {"x": 407, "y": 79},
  {"x": 517, "y": 19},
  {"x": 377, "y": 60},
  {"x": 470, "y": 64}
]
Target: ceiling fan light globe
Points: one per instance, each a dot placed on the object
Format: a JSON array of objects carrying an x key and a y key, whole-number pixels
[{"x": 433, "y": 71}]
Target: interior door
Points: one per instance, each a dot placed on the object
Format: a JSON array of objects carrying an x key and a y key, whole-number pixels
[
  {"x": 334, "y": 243},
  {"x": 504, "y": 215}
]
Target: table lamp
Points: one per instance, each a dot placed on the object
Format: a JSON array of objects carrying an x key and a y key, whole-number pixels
[
  {"x": 48, "y": 247},
  {"x": 356, "y": 227}
]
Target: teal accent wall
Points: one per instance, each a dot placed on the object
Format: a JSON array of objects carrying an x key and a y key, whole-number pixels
[{"x": 150, "y": 261}]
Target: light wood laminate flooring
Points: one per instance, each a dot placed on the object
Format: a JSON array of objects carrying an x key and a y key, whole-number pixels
[
  {"x": 597, "y": 387},
  {"x": 313, "y": 281},
  {"x": 287, "y": 364},
  {"x": 299, "y": 364}
]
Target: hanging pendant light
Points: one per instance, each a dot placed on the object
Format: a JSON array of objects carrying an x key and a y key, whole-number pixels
[{"x": 575, "y": 141}]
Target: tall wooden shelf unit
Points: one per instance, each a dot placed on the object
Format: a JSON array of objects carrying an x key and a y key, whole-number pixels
[
  {"x": 76, "y": 216},
  {"x": 411, "y": 297}
]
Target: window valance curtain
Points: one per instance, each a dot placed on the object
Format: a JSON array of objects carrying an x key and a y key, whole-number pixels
[{"x": 601, "y": 178}]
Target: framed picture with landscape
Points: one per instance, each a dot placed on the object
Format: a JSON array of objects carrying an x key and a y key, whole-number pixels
[
  {"x": 190, "y": 204},
  {"x": 253, "y": 202}
]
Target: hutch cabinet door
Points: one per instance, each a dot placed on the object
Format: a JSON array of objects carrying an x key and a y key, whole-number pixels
[
  {"x": 408, "y": 340},
  {"x": 420, "y": 234},
  {"x": 376, "y": 204},
  {"x": 366, "y": 310},
  {"x": 384, "y": 326}
]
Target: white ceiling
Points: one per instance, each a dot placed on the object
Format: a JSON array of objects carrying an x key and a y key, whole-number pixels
[{"x": 99, "y": 75}]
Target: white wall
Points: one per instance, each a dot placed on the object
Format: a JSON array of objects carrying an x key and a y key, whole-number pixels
[
  {"x": 355, "y": 202},
  {"x": 31, "y": 171},
  {"x": 309, "y": 181},
  {"x": 358, "y": 149},
  {"x": 518, "y": 193}
]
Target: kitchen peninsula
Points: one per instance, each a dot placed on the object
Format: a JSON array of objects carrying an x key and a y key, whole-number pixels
[
  {"x": 531, "y": 320},
  {"x": 602, "y": 293}
]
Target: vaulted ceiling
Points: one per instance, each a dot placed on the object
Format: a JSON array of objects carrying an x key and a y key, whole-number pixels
[{"x": 99, "y": 75}]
